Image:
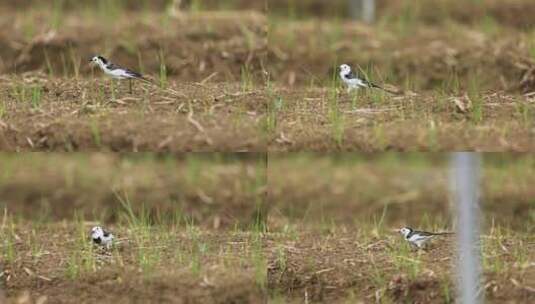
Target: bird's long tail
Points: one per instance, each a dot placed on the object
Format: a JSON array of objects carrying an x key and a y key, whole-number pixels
[
  {"x": 443, "y": 233},
  {"x": 146, "y": 80},
  {"x": 375, "y": 86}
]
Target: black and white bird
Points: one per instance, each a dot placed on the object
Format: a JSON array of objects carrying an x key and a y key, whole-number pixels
[
  {"x": 419, "y": 238},
  {"x": 353, "y": 81},
  {"x": 101, "y": 237},
  {"x": 116, "y": 71}
]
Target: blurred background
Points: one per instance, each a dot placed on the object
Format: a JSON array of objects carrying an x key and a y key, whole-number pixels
[
  {"x": 426, "y": 45},
  {"x": 392, "y": 190},
  {"x": 212, "y": 190},
  {"x": 183, "y": 39}
]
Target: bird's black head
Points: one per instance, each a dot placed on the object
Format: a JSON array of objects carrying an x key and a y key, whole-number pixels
[
  {"x": 98, "y": 58},
  {"x": 104, "y": 60}
]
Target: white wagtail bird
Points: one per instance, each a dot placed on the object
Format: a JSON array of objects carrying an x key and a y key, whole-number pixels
[
  {"x": 101, "y": 237},
  {"x": 419, "y": 238},
  {"x": 354, "y": 82},
  {"x": 116, "y": 71}
]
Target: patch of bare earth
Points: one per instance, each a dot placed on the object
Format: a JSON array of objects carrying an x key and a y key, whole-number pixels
[
  {"x": 342, "y": 267},
  {"x": 320, "y": 120},
  {"x": 86, "y": 114},
  {"x": 222, "y": 272}
]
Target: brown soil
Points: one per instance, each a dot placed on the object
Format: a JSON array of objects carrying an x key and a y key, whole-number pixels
[
  {"x": 342, "y": 268},
  {"x": 84, "y": 115},
  {"x": 193, "y": 46},
  {"x": 42, "y": 275},
  {"x": 305, "y": 53},
  {"x": 213, "y": 61},
  {"x": 320, "y": 120}
]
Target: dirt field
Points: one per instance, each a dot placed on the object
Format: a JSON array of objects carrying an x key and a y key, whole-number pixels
[
  {"x": 188, "y": 228},
  {"x": 195, "y": 228},
  {"x": 458, "y": 85},
  {"x": 307, "y": 214},
  {"x": 206, "y": 68},
  {"x": 333, "y": 215}
]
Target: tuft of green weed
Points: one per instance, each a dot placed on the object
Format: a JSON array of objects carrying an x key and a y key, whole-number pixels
[
  {"x": 163, "y": 70},
  {"x": 95, "y": 132},
  {"x": 36, "y": 94},
  {"x": 259, "y": 261},
  {"x": 49, "y": 67},
  {"x": 8, "y": 237},
  {"x": 82, "y": 257},
  {"x": 274, "y": 107},
  {"x": 247, "y": 82}
]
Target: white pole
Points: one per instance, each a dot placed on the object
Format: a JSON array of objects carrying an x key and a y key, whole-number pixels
[
  {"x": 362, "y": 10},
  {"x": 465, "y": 186}
]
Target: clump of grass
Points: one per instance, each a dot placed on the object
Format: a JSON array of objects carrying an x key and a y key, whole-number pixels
[
  {"x": 95, "y": 132},
  {"x": 82, "y": 257},
  {"x": 18, "y": 92},
  {"x": 49, "y": 67},
  {"x": 274, "y": 107},
  {"x": 139, "y": 222},
  {"x": 259, "y": 261},
  {"x": 406, "y": 261},
  {"x": 75, "y": 62},
  {"x": 36, "y": 94},
  {"x": 474, "y": 93},
  {"x": 9, "y": 251},
  {"x": 163, "y": 70},
  {"x": 523, "y": 109},
  {"x": 247, "y": 82}
]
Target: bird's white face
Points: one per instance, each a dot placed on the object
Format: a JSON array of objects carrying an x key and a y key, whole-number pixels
[
  {"x": 345, "y": 69},
  {"x": 97, "y": 232},
  {"x": 96, "y": 60},
  {"x": 405, "y": 231}
]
